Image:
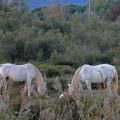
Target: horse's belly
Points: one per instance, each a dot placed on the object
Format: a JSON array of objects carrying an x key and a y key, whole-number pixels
[
  {"x": 94, "y": 77},
  {"x": 18, "y": 76},
  {"x": 97, "y": 78}
]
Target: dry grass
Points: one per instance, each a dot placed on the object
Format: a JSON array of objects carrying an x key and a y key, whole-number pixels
[{"x": 20, "y": 107}]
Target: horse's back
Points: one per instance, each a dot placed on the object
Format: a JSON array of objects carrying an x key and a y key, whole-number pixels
[
  {"x": 108, "y": 69},
  {"x": 103, "y": 67},
  {"x": 97, "y": 73},
  {"x": 89, "y": 73},
  {"x": 107, "y": 66},
  {"x": 18, "y": 72},
  {"x": 25, "y": 70}
]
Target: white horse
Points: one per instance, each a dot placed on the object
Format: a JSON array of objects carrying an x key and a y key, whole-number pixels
[
  {"x": 19, "y": 73},
  {"x": 94, "y": 74}
]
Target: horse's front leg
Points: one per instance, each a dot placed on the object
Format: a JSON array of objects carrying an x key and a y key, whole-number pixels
[
  {"x": 1, "y": 85},
  {"x": 5, "y": 85},
  {"x": 4, "y": 88},
  {"x": 25, "y": 89},
  {"x": 29, "y": 86},
  {"x": 88, "y": 83}
]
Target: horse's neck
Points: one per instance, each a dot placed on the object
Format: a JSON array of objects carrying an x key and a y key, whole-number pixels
[
  {"x": 4, "y": 71},
  {"x": 39, "y": 77},
  {"x": 75, "y": 82}
]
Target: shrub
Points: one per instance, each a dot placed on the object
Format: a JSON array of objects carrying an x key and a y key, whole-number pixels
[
  {"x": 65, "y": 69},
  {"x": 49, "y": 70},
  {"x": 54, "y": 70},
  {"x": 98, "y": 58}
]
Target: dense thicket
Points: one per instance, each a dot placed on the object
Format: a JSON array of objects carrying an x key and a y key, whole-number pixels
[{"x": 61, "y": 34}]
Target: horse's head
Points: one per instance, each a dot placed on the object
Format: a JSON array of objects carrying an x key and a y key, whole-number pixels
[
  {"x": 70, "y": 89},
  {"x": 64, "y": 94}
]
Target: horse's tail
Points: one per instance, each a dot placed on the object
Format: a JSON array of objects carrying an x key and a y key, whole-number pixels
[
  {"x": 115, "y": 84},
  {"x": 75, "y": 81},
  {"x": 41, "y": 85}
]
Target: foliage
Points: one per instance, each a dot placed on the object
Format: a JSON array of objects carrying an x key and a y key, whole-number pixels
[
  {"x": 75, "y": 8},
  {"x": 58, "y": 39},
  {"x": 54, "y": 70},
  {"x": 59, "y": 34},
  {"x": 52, "y": 108},
  {"x": 98, "y": 59},
  {"x": 107, "y": 9}
]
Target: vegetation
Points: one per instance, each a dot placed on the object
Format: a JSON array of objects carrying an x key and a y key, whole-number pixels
[
  {"x": 52, "y": 108},
  {"x": 58, "y": 39},
  {"x": 59, "y": 34}
]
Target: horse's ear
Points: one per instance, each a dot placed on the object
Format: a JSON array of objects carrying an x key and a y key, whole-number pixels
[{"x": 68, "y": 85}]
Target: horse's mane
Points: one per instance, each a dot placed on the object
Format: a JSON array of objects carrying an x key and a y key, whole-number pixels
[{"x": 75, "y": 81}]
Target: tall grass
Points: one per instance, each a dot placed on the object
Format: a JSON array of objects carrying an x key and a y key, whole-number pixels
[{"x": 50, "y": 107}]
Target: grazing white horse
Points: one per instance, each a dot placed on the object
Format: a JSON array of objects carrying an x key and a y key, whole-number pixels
[
  {"x": 19, "y": 73},
  {"x": 94, "y": 74}
]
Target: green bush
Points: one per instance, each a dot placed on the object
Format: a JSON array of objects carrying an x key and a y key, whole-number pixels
[
  {"x": 54, "y": 70},
  {"x": 49, "y": 70},
  {"x": 65, "y": 69},
  {"x": 98, "y": 58}
]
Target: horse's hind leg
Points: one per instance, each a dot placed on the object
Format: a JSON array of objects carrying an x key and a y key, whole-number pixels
[
  {"x": 88, "y": 83},
  {"x": 109, "y": 86}
]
